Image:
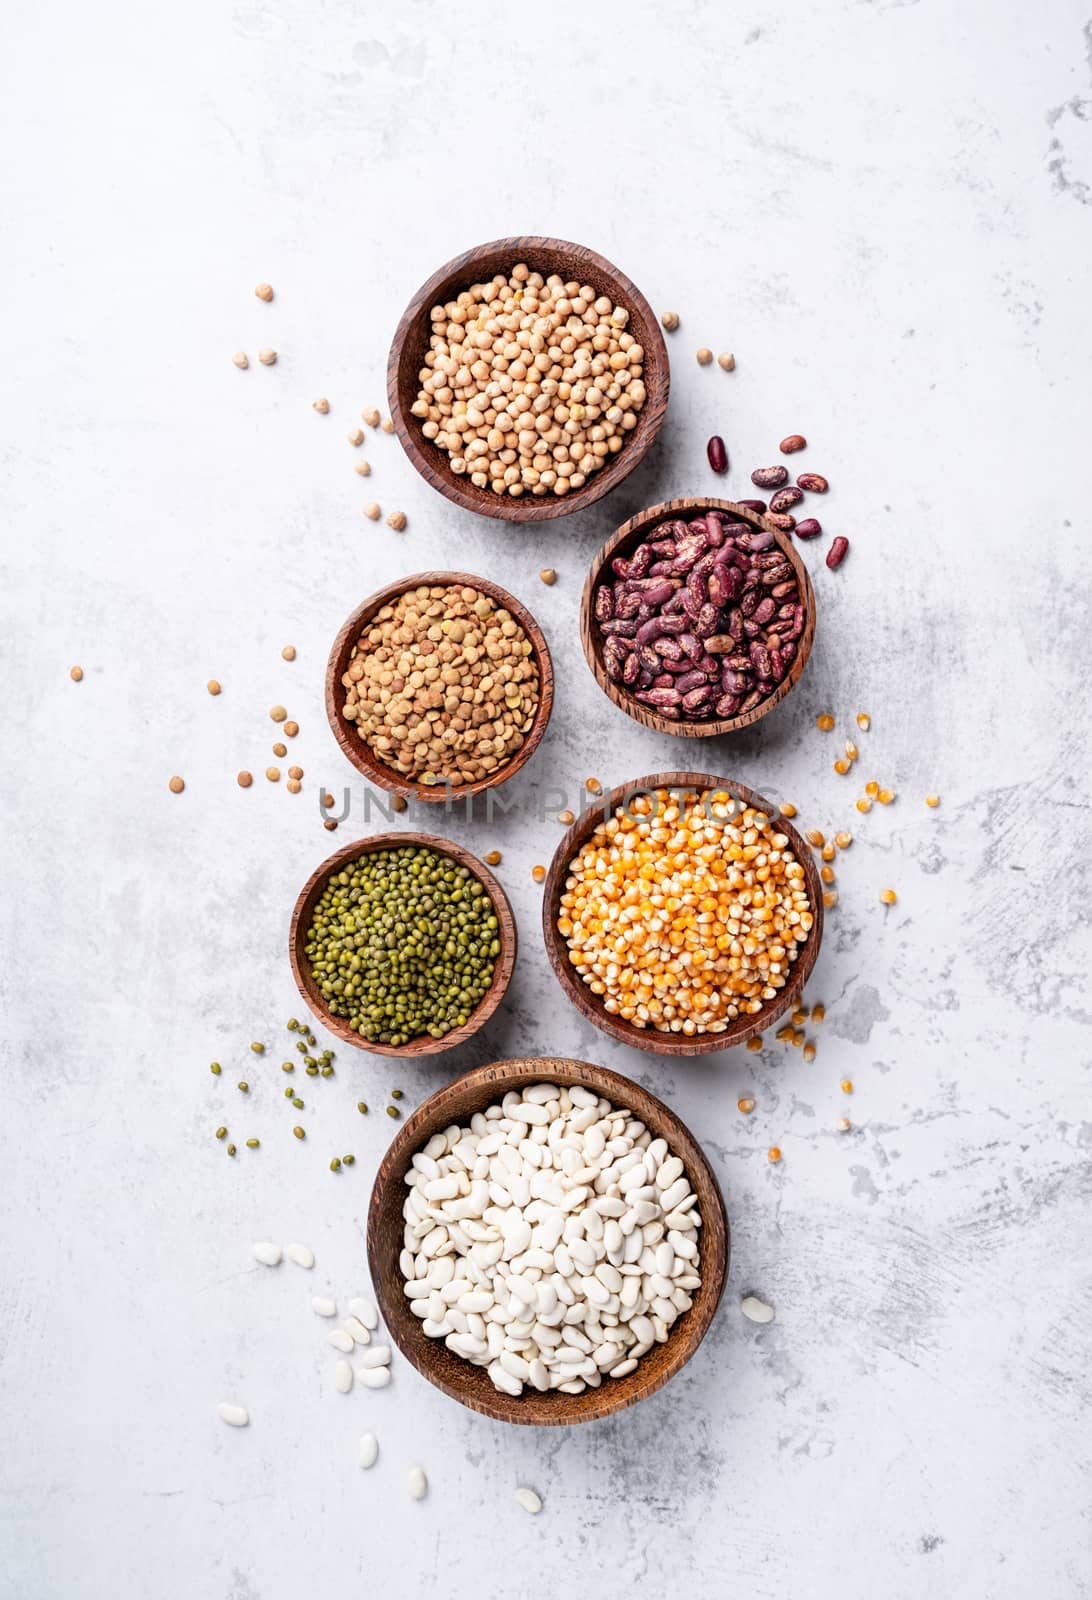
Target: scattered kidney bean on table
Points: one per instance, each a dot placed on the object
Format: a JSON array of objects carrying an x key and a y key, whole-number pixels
[
  {"x": 785, "y": 495},
  {"x": 702, "y": 620}
]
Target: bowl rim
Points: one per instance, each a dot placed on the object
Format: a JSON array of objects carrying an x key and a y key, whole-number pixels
[
  {"x": 360, "y": 753},
  {"x": 592, "y": 640},
  {"x": 651, "y": 1039},
  {"x": 432, "y": 464},
  {"x": 424, "y": 1044},
  {"x": 491, "y": 1082}
]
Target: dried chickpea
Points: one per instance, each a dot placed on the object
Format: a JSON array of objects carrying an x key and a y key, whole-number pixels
[
  {"x": 330, "y": 824},
  {"x": 356, "y": 438},
  {"x": 397, "y": 521},
  {"x": 371, "y": 416},
  {"x": 273, "y": 774},
  {"x": 726, "y": 361},
  {"x": 264, "y": 291},
  {"x": 372, "y": 512},
  {"x": 398, "y": 802},
  {"x": 294, "y": 786},
  {"x": 213, "y": 686},
  {"x": 387, "y": 425},
  {"x": 548, "y": 576},
  {"x": 670, "y": 321},
  {"x": 704, "y": 356},
  {"x": 241, "y": 360},
  {"x": 76, "y": 674},
  {"x": 267, "y": 357},
  {"x": 176, "y": 785},
  {"x": 364, "y": 468},
  {"x": 322, "y": 406},
  {"x": 244, "y": 780},
  {"x": 295, "y": 772},
  {"x": 277, "y": 713},
  {"x": 280, "y": 749},
  {"x": 288, "y": 653},
  {"x": 291, "y": 728}
]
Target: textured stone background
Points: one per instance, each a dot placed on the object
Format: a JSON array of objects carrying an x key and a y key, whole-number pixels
[{"x": 884, "y": 209}]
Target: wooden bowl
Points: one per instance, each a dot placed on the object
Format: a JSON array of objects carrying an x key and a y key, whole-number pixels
[
  {"x": 308, "y": 898},
  {"x": 623, "y": 543},
  {"x": 411, "y": 343},
  {"x": 460, "y": 1379},
  {"x": 361, "y": 754},
  {"x": 673, "y": 1044}
]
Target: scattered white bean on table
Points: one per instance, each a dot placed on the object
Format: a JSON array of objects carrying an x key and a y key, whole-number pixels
[
  {"x": 553, "y": 1241},
  {"x": 529, "y": 1500},
  {"x": 364, "y": 1312},
  {"x": 236, "y": 1416},
  {"x": 300, "y": 1254},
  {"x": 341, "y": 1341},
  {"x": 324, "y": 1307},
  {"x": 416, "y": 1483},
  {"x": 369, "y": 1450},
  {"x": 343, "y": 1377},
  {"x": 374, "y": 1377},
  {"x": 756, "y": 1310},
  {"x": 268, "y": 1253}
]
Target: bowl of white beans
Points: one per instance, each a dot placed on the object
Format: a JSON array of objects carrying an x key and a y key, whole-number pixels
[{"x": 547, "y": 1241}]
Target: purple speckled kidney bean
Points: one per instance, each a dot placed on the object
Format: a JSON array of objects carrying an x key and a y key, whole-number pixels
[
  {"x": 813, "y": 481},
  {"x": 786, "y": 498},
  {"x": 717, "y": 453},
  {"x": 710, "y": 627},
  {"x": 758, "y": 506},
  {"x": 809, "y": 528},
  {"x": 783, "y": 521},
  {"x": 837, "y": 553},
  {"x": 769, "y": 477}
]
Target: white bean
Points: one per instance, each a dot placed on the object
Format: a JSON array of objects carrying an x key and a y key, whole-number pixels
[
  {"x": 416, "y": 1483},
  {"x": 378, "y": 1356},
  {"x": 268, "y": 1253},
  {"x": 343, "y": 1377},
  {"x": 373, "y": 1377},
  {"x": 368, "y": 1452},
  {"x": 234, "y": 1415}
]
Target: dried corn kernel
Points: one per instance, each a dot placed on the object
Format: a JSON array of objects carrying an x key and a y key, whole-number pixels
[
  {"x": 593, "y": 786},
  {"x": 827, "y": 874},
  {"x": 773, "y": 1153},
  {"x": 830, "y": 898},
  {"x": 872, "y": 787},
  {"x": 809, "y": 1052},
  {"x": 824, "y": 723},
  {"x": 843, "y": 840},
  {"x": 784, "y": 1035},
  {"x": 566, "y": 817},
  {"x": 841, "y": 767},
  {"x": 851, "y": 750},
  {"x": 846, "y": 1086},
  {"x": 932, "y": 800},
  {"x": 828, "y": 851},
  {"x": 864, "y": 721},
  {"x": 864, "y": 804},
  {"x": 888, "y": 897},
  {"x": 538, "y": 873},
  {"x": 746, "y": 1105},
  {"x": 885, "y": 796},
  {"x": 844, "y": 1124},
  {"x": 789, "y": 810},
  {"x": 755, "y": 1043},
  {"x": 799, "y": 1017},
  {"x": 493, "y": 859},
  {"x": 797, "y": 1039},
  {"x": 818, "y": 1012},
  {"x": 813, "y": 836}
]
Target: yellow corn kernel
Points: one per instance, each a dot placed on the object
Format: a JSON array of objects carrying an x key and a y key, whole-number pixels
[
  {"x": 872, "y": 787},
  {"x": 864, "y": 804},
  {"x": 799, "y": 1017},
  {"x": 843, "y": 840},
  {"x": 841, "y": 767},
  {"x": 797, "y": 1039},
  {"x": 844, "y": 1124},
  {"x": 828, "y": 851},
  {"x": 784, "y": 1035},
  {"x": 830, "y": 898},
  {"x": 818, "y": 1012},
  {"x": 827, "y": 874},
  {"x": 745, "y": 1104},
  {"x": 885, "y": 796},
  {"x": 493, "y": 859},
  {"x": 755, "y": 1043},
  {"x": 593, "y": 786},
  {"x": 846, "y": 1085},
  {"x": 851, "y": 750},
  {"x": 809, "y": 1052},
  {"x": 864, "y": 721},
  {"x": 932, "y": 800},
  {"x": 888, "y": 897},
  {"x": 787, "y": 809},
  {"x": 538, "y": 873},
  {"x": 566, "y": 817},
  {"x": 824, "y": 723},
  {"x": 773, "y": 1153},
  {"x": 813, "y": 836}
]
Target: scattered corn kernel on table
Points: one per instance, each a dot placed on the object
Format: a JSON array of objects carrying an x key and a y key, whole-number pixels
[{"x": 216, "y": 220}]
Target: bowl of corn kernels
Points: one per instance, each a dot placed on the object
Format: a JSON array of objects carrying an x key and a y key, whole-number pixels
[{"x": 682, "y": 914}]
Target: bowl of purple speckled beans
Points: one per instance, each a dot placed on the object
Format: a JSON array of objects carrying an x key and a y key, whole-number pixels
[{"x": 697, "y": 617}]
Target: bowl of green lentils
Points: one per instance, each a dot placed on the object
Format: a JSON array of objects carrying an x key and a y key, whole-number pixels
[{"x": 402, "y": 944}]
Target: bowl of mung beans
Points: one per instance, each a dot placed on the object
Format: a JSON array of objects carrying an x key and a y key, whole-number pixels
[
  {"x": 697, "y": 617},
  {"x": 527, "y": 378},
  {"x": 402, "y": 944},
  {"x": 682, "y": 913},
  {"x": 439, "y": 685}
]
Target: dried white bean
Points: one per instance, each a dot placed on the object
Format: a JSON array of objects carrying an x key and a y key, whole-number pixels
[
  {"x": 341, "y": 1341},
  {"x": 529, "y": 1500},
  {"x": 322, "y": 1307},
  {"x": 343, "y": 1377},
  {"x": 373, "y": 1377},
  {"x": 300, "y": 1254},
  {"x": 378, "y": 1356},
  {"x": 756, "y": 1310},
  {"x": 268, "y": 1253},
  {"x": 356, "y": 1330},
  {"x": 416, "y": 1483},
  {"x": 236, "y": 1416},
  {"x": 368, "y": 1453}
]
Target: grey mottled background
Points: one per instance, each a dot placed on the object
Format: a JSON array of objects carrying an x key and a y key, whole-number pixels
[{"x": 885, "y": 210}]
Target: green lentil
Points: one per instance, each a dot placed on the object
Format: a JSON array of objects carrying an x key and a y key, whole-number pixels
[
  {"x": 396, "y": 1094},
  {"x": 300, "y": 1134},
  {"x": 347, "y": 1161},
  {"x": 361, "y": 1106},
  {"x": 244, "y": 1087},
  {"x": 288, "y": 1066},
  {"x": 393, "y": 1111},
  {"x": 335, "y": 1165},
  {"x": 403, "y": 942},
  {"x": 298, "y": 1103},
  {"x": 302, "y": 1047},
  {"x": 289, "y": 1093},
  {"x": 309, "y": 1061},
  {"x": 292, "y": 1025},
  {"x": 258, "y": 1049},
  {"x": 252, "y": 1144},
  {"x": 312, "y": 1072},
  {"x": 327, "y": 1072},
  {"x": 221, "y": 1133},
  {"x": 231, "y": 1149},
  {"x": 215, "y": 1068}
]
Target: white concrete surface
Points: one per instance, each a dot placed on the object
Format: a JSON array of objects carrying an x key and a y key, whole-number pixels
[{"x": 885, "y": 210}]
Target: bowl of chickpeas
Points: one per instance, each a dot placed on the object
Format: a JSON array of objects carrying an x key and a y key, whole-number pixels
[{"x": 527, "y": 378}]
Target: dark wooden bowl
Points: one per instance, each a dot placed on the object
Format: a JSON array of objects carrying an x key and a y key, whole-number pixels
[
  {"x": 361, "y": 754},
  {"x": 673, "y": 1044},
  {"x": 411, "y": 342},
  {"x": 623, "y": 543},
  {"x": 460, "y": 1379},
  {"x": 301, "y": 921}
]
